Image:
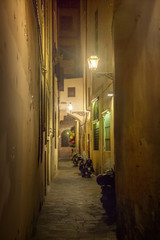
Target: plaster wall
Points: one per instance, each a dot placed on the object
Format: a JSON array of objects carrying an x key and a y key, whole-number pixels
[
  {"x": 77, "y": 101},
  {"x": 20, "y": 169},
  {"x": 99, "y": 84},
  {"x": 137, "y": 118}
]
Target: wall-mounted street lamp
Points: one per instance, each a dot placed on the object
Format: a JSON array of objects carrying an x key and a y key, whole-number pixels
[
  {"x": 70, "y": 107},
  {"x": 93, "y": 64},
  {"x": 110, "y": 94}
]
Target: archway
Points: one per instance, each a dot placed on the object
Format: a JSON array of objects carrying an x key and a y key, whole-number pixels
[
  {"x": 65, "y": 138},
  {"x": 68, "y": 126}
]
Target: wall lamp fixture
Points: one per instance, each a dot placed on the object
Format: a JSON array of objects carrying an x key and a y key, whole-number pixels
[
  {"x": 93, "y": 64},
  {"x": 70, "y": 107},
  {"x": 110, "y": 94}
]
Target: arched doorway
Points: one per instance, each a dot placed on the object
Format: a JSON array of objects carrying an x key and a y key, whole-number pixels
[
  {"x": 65, "y": 138},
  {"x": 66, "y": 146}
]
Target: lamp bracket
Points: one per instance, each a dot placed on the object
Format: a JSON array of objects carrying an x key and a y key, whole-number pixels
[{"x": 105, "y": 74}]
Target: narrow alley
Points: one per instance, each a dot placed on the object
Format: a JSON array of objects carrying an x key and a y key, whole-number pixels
[
  {"x": 72, "y": 209},
  {"x": 79, "y": 77}
]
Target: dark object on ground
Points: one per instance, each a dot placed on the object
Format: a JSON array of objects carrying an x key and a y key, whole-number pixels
[
  {"x": 108, "y": 199},
  {"x": 76, "y": 159},
  {"x": 86, "y": 167}
]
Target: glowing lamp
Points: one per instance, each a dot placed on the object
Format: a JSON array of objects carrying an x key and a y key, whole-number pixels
[
  {"x": 70, "y": 106},
  {"x": 93, "y": 62},
  {"x": 110, "y": 94}
]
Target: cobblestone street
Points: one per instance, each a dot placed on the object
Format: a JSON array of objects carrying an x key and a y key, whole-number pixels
[{"x": 72, "y": 209}]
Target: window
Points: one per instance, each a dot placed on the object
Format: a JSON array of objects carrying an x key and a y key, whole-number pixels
[
  {"x": 96, "y": 135},
  {"x": 107, "y": 140},
  {"x": 95, "y": 110},
  {"x": 71, "y": 92},
  {"x": 55, "y": 130}
]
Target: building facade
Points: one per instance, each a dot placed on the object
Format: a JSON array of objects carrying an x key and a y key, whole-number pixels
[
  {"x": 69, "y": 37},
  {"x": 97, "y": 134},
  {"x": 125, "y": 36},
  {"x": 28, "y": 130}
]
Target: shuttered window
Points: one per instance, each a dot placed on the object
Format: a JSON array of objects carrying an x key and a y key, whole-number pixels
[
  {"x": 71, "y": 92},
  {"x": 95, "y": 110},
  {"x": 107, "y": 140},
  {"x": 96, "y": 135}
]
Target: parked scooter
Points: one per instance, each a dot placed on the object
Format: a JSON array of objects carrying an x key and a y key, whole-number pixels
[
  {"x": 108, "y": 199},
  {"x": 81, "y": 166},
  {"x": 76, "y": 159},
  {"x": 86, "y": 167}
]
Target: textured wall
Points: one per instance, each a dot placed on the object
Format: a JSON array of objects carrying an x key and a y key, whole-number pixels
[
  {"x": 137, "y": 118},
  {"x": 19, "y": 111}
]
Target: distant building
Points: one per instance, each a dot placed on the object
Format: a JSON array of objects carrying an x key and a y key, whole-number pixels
[{"x": 69, "y": 37}]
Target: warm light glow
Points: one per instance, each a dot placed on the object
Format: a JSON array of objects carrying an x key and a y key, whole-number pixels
[
  {"x": 106, "y": 112},
  {"x": 93, "y": 62},
  {"x": 70, "y": 106},
  {"x": 110, "y": 94}
]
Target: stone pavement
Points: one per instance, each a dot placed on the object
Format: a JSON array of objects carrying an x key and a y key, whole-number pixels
[{"x": 72, "y": 209}]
